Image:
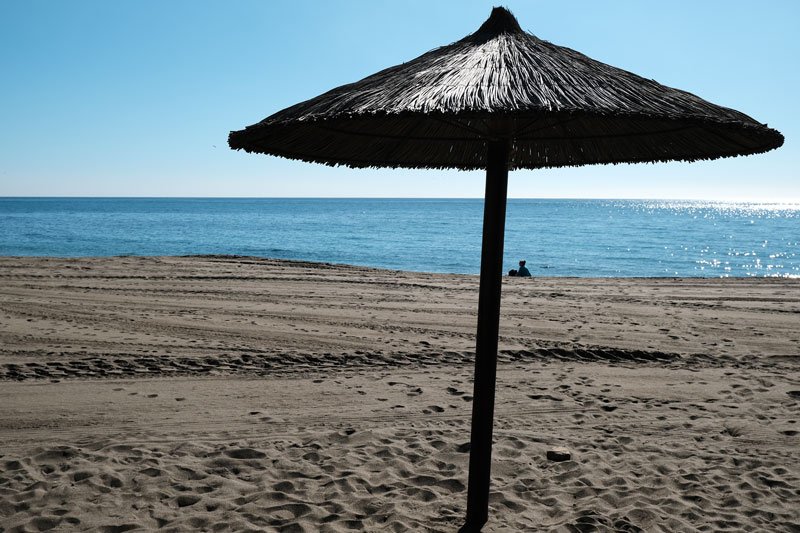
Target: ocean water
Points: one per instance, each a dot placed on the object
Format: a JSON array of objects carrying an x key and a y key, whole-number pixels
[{"x": 585, "y": 238}]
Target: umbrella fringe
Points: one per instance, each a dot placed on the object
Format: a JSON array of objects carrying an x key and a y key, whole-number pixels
[{"x": 404, "y": 141}]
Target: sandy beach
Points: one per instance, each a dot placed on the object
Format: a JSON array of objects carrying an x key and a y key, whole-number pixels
[{"x": 234, "y": 393}]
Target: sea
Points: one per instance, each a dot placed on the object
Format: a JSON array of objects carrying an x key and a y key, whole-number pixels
[{"x": 583, "y": 238}]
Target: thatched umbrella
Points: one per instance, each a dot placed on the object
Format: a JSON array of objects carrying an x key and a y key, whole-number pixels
[{"x": 502, "y": 99}]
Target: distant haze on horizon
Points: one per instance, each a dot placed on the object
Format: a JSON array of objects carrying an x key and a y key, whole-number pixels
[{"x": 105, "y": 99}]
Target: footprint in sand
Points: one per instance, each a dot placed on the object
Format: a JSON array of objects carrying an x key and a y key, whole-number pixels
[
  {"x": 42, "y": 523},
  {"x": 544, "y": 397},
  {"x": 186, "y": 500},
  {"x": 81, "y": 475},
  {"x": 111, "y": 481},
  {"x": 245, "y": 453}
]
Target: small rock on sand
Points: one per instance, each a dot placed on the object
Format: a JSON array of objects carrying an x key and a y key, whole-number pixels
[{"x": 559, "y": 454}]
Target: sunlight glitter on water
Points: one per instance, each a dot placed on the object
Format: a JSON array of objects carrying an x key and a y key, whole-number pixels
[{"x": 597, "y": 238}]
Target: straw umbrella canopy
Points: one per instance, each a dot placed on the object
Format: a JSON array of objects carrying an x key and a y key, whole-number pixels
[{"x": 501, "y": 99}]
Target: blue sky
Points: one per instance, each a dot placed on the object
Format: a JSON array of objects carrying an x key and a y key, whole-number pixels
[{"x": 136, "y": 98}]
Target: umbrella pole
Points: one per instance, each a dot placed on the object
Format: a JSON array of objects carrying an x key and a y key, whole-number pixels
[{"x": 494, "y": 219}]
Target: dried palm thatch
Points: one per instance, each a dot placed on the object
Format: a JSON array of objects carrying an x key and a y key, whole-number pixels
[{"x": 558, "y": 107}]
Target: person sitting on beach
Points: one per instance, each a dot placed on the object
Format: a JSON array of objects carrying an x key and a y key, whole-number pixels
[
  {"x": 512, "y": 272},
  {"x": 523, "y": 271}
]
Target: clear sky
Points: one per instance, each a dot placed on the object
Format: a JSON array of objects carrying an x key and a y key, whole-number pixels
[{"x": 136, "y": 98}]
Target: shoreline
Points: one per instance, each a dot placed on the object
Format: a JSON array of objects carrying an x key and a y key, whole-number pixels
[{"x": 301, "y": 262}]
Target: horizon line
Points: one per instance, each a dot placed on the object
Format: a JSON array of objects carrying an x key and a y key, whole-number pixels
[{"x": 671, "y": 199}]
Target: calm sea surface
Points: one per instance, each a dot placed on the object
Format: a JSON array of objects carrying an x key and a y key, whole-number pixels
[{"x": 556, "y": 237}]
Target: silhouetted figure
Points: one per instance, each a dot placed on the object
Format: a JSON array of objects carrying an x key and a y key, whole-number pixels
[
  {"x": 512, "y": 272},
  {"x": 523, "y": 271}
]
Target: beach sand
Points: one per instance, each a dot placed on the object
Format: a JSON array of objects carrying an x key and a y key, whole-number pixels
[{"x": 232, "y": 393}]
